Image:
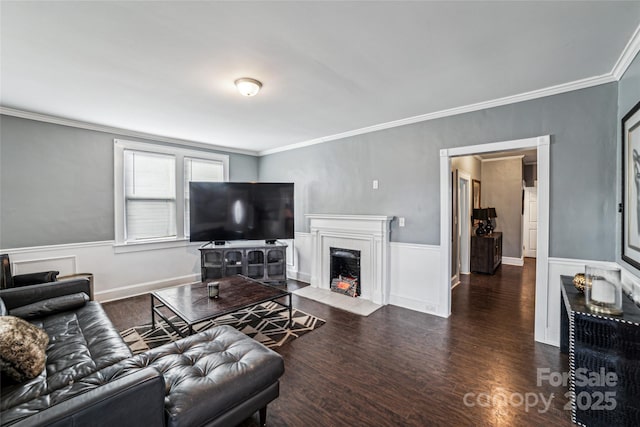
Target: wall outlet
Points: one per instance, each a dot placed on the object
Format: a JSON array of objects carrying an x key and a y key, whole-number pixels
[
  {"x": 375, "y": 184},
  {"x": 401, "y": 221}
]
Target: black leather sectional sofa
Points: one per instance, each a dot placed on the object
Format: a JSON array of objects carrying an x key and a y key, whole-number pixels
[{"x": 216, "y": 378}]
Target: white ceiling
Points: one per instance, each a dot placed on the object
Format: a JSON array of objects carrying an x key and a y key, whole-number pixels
[{"x": 167, "y": 68}]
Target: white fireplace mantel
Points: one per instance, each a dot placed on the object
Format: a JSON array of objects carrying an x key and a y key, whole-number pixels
[{"x": 368, "y": 234}]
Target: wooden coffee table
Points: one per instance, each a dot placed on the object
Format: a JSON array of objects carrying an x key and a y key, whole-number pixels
[{"x": 192, "y": 304}]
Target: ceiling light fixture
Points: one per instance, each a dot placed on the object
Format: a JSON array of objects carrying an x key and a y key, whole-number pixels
[{"x": 247, "y": 86}]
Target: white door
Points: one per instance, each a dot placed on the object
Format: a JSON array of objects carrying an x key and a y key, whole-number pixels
[
  {"x": 530, "y": 222},
  {"x": 464, "y": 222}
]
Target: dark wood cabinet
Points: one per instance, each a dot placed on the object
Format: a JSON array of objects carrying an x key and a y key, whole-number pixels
[{"x": 486, "y": 252}]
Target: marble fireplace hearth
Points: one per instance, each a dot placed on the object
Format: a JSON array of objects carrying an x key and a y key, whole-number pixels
[{"x": 358, "y": 306}]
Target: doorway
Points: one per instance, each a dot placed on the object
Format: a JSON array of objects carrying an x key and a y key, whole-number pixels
[{"x": 542, "y": 250}]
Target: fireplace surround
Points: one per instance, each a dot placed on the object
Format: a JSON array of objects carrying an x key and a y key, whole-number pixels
[{"x": 368, "y": 234}]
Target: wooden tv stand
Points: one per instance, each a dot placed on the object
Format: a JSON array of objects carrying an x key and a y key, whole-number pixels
[{"x": 252, "y": 258}]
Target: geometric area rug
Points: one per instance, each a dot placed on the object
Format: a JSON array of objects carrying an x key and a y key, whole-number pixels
[{"x": 265, "y": 323}]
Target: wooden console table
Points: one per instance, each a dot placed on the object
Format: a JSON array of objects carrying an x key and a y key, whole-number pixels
[
  {"x": 600, "y": 345},
  {"x": 486, "y": 252}
]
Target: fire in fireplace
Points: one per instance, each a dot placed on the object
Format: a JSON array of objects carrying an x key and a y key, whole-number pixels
[{"x": 345, "y": 271}]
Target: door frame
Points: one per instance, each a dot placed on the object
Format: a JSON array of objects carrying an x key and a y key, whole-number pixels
[{"x": 541, "y": 143}]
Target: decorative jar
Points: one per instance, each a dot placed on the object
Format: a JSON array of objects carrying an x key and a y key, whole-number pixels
[{"x": 603, "y": 290}]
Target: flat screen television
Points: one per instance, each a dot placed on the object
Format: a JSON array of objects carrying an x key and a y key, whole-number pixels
[{"x": 227, "y": 211}]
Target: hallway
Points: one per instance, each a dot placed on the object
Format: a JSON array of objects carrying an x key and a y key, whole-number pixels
[{"x": 495, "y": 315}]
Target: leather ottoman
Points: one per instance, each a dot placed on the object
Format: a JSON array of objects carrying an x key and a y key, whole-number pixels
[{"x": 218, "y": 377}]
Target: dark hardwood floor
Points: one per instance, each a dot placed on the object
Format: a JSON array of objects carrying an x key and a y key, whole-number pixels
[{"x": 399, "y": 367}]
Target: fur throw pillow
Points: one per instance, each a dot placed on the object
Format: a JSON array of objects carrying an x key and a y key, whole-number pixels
[{"x": 22, "y": 348}]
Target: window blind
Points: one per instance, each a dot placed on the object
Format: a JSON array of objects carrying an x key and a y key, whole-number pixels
[{"x": 150, "y": 195}]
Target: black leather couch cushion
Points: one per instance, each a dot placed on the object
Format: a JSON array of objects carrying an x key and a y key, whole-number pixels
[
  {"x": 81, "y": 342},
  {"x": 132, "y": 400},
  {"x": 22, "y": 348},
  {"x": 51, "y": 306},
  {"x": 34, "y": 278}
]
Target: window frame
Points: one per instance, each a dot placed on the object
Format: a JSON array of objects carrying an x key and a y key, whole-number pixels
[{"x": 119, "y": 146}]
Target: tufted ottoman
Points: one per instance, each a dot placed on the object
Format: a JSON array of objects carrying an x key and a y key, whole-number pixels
[{"x": 218, "y": 377}]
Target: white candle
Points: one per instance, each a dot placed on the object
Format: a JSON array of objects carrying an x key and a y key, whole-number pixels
[{"x": 603, "y": 291}]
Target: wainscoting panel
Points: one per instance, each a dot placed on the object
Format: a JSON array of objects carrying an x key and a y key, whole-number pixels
[
  {"x": 116, "y": 275},
  {"x": 630, "y": 283},
  {"x": 415, "y": 270},
  {"x": 64, "y": 264},
  {"x": 300, "y": 266}
]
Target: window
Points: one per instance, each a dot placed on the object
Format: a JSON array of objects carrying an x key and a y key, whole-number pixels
[
  {"x": 150, "y": 195},
  {"x": 152, "y": 189}
]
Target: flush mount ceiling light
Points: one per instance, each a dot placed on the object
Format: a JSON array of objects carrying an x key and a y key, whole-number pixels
[{"x": 247, "y": 86}]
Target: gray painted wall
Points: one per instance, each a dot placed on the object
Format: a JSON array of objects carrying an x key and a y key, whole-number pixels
[
  {"x": 468, "y": 164},
  {"x": 335, "y": 177},
  {"x": 56, "y": 183},
  {"x": 502, "y": 189},
  {"x": 628, "y": 96}
]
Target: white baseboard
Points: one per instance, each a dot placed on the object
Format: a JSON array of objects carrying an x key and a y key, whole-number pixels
[
  {"x": 143, "y": 288},
  {"x": 413, "y": 304},
  {"x": 507, "y": 260},
  {"x": 299, "y": 276}
]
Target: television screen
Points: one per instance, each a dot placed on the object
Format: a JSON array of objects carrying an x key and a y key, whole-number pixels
[{"x": 221, "y": 211}]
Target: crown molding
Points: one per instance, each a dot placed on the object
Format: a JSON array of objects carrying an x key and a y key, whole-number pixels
[
  {"x": 628, "y": 54},
  {"x": 119, "y": 131},
  {"x": 526, "y": 96}
]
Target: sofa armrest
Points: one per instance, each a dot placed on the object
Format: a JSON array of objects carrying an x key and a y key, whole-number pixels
[
  {"x": 34, "y": 278},
  {"x": 136, "y": 399},
  {"x": 17, "y": 297}
]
